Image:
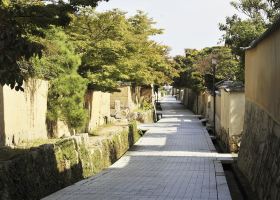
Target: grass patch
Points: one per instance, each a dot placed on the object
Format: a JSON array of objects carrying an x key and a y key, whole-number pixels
[
  {"x": 107, "y": 130},
  {"x": 37, "y": 143}
]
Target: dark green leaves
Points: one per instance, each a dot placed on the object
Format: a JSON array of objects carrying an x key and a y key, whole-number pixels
[{"x": 21, "y": 19}]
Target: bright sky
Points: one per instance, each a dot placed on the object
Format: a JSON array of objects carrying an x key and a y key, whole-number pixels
[{"x": 187, "y": 23}]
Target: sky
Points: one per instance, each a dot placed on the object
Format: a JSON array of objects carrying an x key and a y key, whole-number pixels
[{"x": 187, "y": 23}]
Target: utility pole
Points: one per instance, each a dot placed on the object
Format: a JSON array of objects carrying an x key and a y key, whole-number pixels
[{"x": 214, "y": 64}]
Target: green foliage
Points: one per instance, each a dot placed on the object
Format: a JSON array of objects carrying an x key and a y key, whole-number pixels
[
  {"x": 227, "y": 67},
  {"x": 241, "y": 32},
  {"x": 117, "y": 49},
  {"x": 58, "y": 58},
  {"x": 197, "y": 64},
  {"x": 185, "y": 65},
  {"x": 190, "y": 76},
  {"x": 14, "y": 47},
  {"x": 18, "y": 20},
  {"x": 197, "y": 82}
]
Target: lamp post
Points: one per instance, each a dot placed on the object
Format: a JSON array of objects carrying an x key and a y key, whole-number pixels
[{"x": 214, "y": 64}]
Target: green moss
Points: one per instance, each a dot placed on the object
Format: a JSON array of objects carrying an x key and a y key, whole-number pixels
[
  {"x": 97, "y": 160},
  {"x": 86, "y": 161},
  {"x": 99, "y": 130},
  {"x": 134, "y": 133},
  {"x": 37, "y": 143},
  {"x": 64, "y": 163}
]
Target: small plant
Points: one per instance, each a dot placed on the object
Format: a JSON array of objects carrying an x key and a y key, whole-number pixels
[{"x": 146, "y": 105}]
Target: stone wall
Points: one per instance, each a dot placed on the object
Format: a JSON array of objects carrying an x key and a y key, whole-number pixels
[
  {"x": 23, "y": 114},
  {"x": 49, "y": 168},
  {"x": 98, "y": 105},
  {"x": 237, "y": 113},
  {"x": 259, "y": 156}
]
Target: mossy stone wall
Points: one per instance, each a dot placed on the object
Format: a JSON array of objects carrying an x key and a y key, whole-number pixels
[{"x": 48, "y": 168}]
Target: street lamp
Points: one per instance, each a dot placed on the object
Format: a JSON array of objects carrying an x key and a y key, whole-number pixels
[{"x": 214, "y": 65}]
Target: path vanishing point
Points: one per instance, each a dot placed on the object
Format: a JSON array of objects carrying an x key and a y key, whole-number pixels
[{"x": 176, "y": 159}]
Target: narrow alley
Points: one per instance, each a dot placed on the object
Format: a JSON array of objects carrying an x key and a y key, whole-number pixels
[{"x": 175, "y": 159}]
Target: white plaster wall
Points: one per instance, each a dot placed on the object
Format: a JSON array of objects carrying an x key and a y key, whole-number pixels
[
  {"x": 99, "y": 109},
  {"x": 210, "y": 108},
  {"x": 225, "y": 107},
  {"x": 218, "y": 113},
  {"x": 237, "y": 112},
  {"x": 24, "y": 113},
  {"x": 2, "y": 125}
]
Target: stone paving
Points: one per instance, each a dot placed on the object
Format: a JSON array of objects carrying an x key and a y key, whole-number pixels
[{"x": 176, "y": 159}]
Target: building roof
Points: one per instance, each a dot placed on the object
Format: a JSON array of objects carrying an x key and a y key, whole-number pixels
[
  {"x": 267, "y": 33},
  {"x": 231, "y": 86}
]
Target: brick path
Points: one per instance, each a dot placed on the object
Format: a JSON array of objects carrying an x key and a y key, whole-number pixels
[{"x": 174, "y": 160}]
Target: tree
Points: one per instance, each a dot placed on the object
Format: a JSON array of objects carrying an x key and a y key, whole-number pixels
[
  {"x": 227, "y": 68},
  {"x": 241, "y": 32},
  {"x": 266, "y": 11},
  {"x": 21, "y": 18},
  {"x": 196, "y": 66},
  {"x": 117, "y": 49},
  {"x": 59, "y": 64},
  {"x": 189, "y": 76},
  {"x": 185, "y": 66}
]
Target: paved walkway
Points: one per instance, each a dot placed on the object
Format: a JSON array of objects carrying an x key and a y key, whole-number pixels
[{"x": 174, "y": 160}]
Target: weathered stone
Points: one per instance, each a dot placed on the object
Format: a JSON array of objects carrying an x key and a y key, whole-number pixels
[
  {"x": 259, "y": 156},
  {"x": 48, "y": 168}
]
